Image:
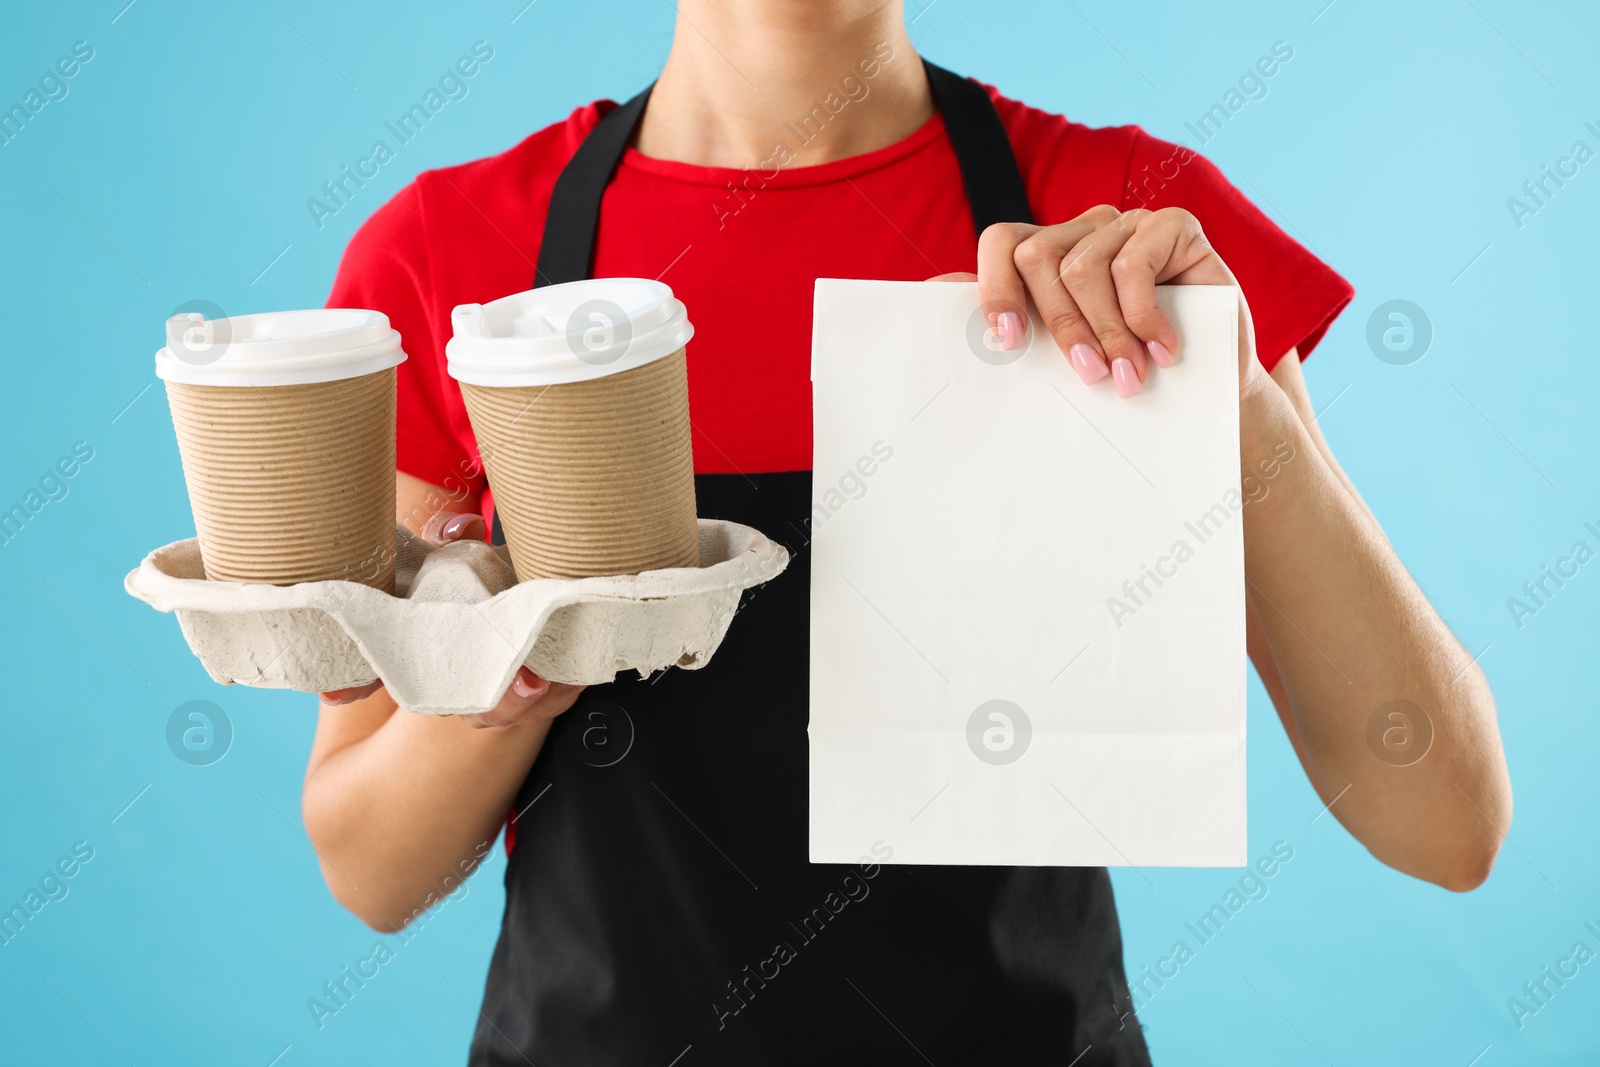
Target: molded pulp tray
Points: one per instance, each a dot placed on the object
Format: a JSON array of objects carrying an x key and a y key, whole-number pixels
[{"x": 459, "y": 624}]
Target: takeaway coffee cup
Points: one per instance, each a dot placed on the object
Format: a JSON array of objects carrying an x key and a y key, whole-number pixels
[
  {"x": 286, "y": 427},
  {"x": 578, "y": 394}
]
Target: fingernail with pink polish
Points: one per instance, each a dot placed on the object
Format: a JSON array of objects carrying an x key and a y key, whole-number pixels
[
  {"x": 524, "y": 688},
  {"x": 463, "y": 527},
  {"x": 1009, "y": 327},
  {"x": 1089, "y": 364},
  {"x": 1126, "y": 377},
  {"x": 1160, "y": 353}
]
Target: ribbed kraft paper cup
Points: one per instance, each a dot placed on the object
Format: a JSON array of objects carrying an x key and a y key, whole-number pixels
[
  {"x": 292, "y": 483},
  {"x": 592, "y": 477},
  {"x": 286, "y": 426},
  {"x": 578, "y": 394}
]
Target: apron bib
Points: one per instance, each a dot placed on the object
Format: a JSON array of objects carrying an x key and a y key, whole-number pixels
[{"x": 659, "y": 899}]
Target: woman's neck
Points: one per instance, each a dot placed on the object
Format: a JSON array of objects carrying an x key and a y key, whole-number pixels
[{"x": 825, "y": 79}]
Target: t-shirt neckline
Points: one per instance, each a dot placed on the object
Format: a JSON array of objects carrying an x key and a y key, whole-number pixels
[{"x": 787, "y": 176}]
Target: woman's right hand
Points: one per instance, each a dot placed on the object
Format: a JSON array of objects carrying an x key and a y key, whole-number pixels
[{"x": 529, "y": 698}]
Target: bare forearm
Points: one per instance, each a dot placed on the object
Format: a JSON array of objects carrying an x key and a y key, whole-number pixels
[
  {"x": 412, "y": 808},
  {"x": 1350, "y": 632}
]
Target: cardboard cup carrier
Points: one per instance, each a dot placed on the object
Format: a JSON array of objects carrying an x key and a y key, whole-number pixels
[
  {"x": 578, "y": 394},
  {"x": 286, "y": 427}
]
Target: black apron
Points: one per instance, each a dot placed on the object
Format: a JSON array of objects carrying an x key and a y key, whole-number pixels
[{"x": 660, "y": 906}]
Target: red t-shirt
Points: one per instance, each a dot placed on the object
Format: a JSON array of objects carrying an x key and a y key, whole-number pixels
[{"x": 742, "y": 248}]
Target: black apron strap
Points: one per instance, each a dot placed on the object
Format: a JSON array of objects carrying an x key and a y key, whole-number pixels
[
  {"x": 566, "y": 252},
  {"x": 995, "y": 191}
]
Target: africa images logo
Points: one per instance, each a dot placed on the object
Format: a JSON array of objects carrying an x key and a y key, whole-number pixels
[{"x": 999, "y": 732}]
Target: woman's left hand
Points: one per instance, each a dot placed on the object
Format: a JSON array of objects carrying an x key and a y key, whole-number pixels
[{"x": 1094, "y": 281}]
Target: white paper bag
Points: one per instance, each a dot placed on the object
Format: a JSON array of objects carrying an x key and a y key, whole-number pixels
[{"x": 1027, "y": 594}]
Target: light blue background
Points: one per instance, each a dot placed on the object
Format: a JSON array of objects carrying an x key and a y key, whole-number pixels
[{"x": 178, "y": 168}]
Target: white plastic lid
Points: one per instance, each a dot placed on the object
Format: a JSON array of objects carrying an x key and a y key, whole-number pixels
[
  {"x": 278, "y": 347},
  {"x": 571, "y": 332}
]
